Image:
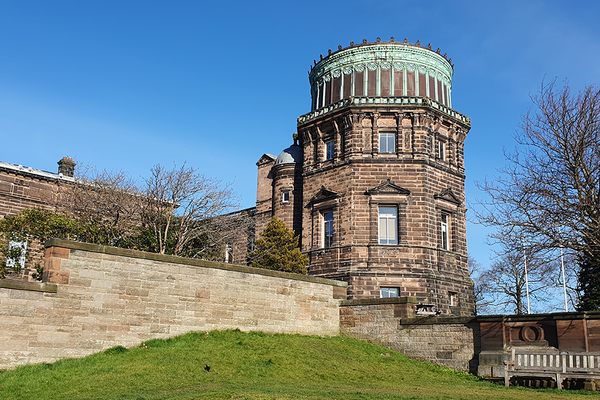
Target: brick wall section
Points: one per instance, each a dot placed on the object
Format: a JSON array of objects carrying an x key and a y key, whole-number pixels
[
  {"x": 391, "y": 322},
  {"x": 19, "y": 191},
  {"x": 108, "y": 296}
]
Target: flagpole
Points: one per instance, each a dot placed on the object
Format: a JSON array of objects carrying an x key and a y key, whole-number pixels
[
  {"x": 527, "y": 286},
  {"x": 564, "y": 281}
]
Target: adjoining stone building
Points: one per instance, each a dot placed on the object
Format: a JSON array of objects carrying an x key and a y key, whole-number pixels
[
  {"x": 26, "y": 187},
  {"x": 374, "y": 182}
]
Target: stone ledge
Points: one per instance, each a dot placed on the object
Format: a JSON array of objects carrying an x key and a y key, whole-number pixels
[
  {"x": 24, "y": 285},
  {"x": 117, "y": 251},
  {"x": 378, "y": 301},
  {"x": 539, "y": 317},
  {"x": 437, "y": 320}
]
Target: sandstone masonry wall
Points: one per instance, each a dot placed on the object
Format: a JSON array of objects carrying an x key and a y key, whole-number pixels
[
  {"x": 391, "y": 322},
  {"x": 97, "y": 297}
]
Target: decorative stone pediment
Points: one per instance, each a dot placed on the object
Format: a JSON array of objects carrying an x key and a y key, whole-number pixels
[
  {"x": 322, "y": 195},
  {"x": 265, "y": 159},
  {"x": 388, "y": 187},
  {"x": 449, "y": 196}
]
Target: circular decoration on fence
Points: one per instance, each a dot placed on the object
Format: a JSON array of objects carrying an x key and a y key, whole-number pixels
[{"x": 531, "y": 333}]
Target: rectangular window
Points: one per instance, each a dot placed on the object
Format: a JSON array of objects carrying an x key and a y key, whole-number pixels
[
  {"x": 388, "y": 225},
  {"x": 347, "y": 85},
  {"x": 441, "y": 150},
  {"x": 321, "y": 95},
  {"x": 453, "y": 299},
  {"x": 372, "y": 83},
  {"x": 398, "y": 83},
  {"x": 387, "y": 292},
  {"x": 329, "y": 150},
  {"x": 444, "y": 231},
  {"x": 385, "y": 82},
  {"x": 432, "y": 87},
  {"x": 359, "y": 83},
  {"x": 410, "y": 84},
  {"x": 387, "y": 143},
  {"x": 327, "y": 228},
  {"x": 285, "y": 196},
  {"x": 337, "y": 88},
  {"x": 422, "y": 85}
]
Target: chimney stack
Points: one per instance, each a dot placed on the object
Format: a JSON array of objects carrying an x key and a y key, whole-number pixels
[{"x": 66, "y": 166}]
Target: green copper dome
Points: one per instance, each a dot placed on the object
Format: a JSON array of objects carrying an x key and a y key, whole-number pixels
[{"x": 381, "y": 70}]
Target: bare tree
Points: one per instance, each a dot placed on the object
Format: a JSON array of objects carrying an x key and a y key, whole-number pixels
[
  {"x": 109, "y": 204},
  {"x": 506, "y": 283},
  {"x": 549, "y": 195},
  {"x": 481, "y": 289},
  {"x": 180, "y": 209}
]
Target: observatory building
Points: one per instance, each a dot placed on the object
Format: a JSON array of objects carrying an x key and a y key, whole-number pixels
[{"x": 374, "y": 182}]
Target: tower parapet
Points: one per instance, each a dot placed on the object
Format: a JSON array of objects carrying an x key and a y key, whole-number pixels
[{"x": 381, "y": 70}]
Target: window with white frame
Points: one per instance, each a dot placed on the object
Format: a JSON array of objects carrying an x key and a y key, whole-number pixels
[
  {"x": 388, "y": 292},
  {"x": 329, "y": 150},
  {"x": 387, "y": 142},
  {"x": 445, "y": 231},
  {"x": 388, "y": 225},
  {"x": 453, "y": 299},
  {"x": 285, "y": 196},
  {"x": 441, "y": 150},
  {"x": 327, "y": 228}
]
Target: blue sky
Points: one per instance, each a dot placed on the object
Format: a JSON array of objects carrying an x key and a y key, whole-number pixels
[{"x": 123, "y": 85}]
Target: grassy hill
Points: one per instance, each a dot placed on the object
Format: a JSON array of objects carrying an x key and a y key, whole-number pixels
[{"x": 236, "y": 365}]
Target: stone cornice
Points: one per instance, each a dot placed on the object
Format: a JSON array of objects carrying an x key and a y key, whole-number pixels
[
  {"x": 379, "y": 301},
  {"x": 35, "y": 173},
  {"x": 17, "y": 284},
  {"x": 403, "y": 101},
  {"x": 458, "y": 173},
  {"x": 539, "y": 317},
  {"x": 383, "y": 55}
]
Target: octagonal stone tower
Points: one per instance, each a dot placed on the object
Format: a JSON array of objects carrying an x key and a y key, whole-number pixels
[{"x": 383, "y": 175}]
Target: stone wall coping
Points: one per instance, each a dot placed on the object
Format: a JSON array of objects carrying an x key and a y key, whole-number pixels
[
  {"x": 539, "y": 317},
  {"x": 437, "y": 320},
  {"x": 194, "y": 262},
  {"x": 434, "y": 320},
  {"x": 378, "y": 301},
  {"x": 18, "y": 284}
]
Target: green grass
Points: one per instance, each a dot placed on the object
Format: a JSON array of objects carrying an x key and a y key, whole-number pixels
[{"x": 252, "y": 366}]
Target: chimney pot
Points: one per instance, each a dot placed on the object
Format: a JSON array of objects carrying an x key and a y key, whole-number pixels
[{"x": 66, "y": 166}]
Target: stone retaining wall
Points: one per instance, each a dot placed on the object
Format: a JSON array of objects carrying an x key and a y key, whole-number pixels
[
  {"x": 97, "y": 297},
  {"x": 449, "y": 341}
]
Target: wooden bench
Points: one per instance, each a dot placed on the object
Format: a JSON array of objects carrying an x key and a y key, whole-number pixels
[{"x": 558, "y": 366}]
